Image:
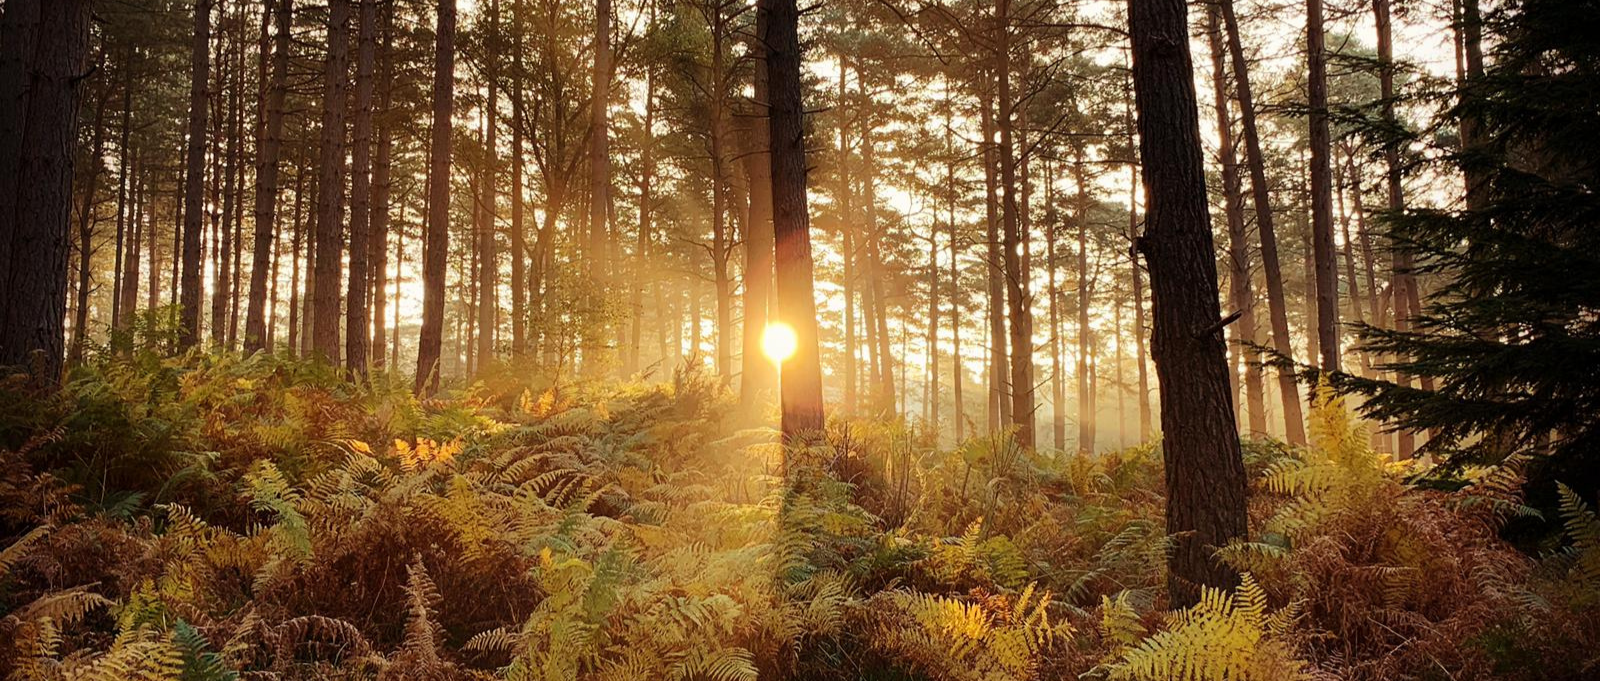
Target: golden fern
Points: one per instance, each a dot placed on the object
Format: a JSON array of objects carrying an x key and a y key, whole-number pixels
[{"x": 1223, "y": 637}]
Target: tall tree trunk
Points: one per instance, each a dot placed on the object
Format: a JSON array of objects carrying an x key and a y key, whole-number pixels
[
  {"x": 957, "y": 370},
  {"x": 600, "y": 141},
  {"x": 1018, "y": 299},
  {"x": 999, "y": 365},
  {"x": 519, "y": 237},
  {"x": 1145, "y": 417},
  {"x": 1400, "y": 281},
  {"x": 19, "y": 31},
  {"x": 194, "y": 177},
  {"x": 847, "y": 237},
  {"x": 758, "y": 374},
  {"x": 885, "y": 392},
  {"x": 1058, "y": 382},
  {"x": 801, "y": 379},
  {"x": 298, "y": 226},
  {"x": 357, "y": 312},
  {"x": 127, "y": 239},
  {"x": 1277, "y": 308},
  {"x": 1204, "y": 468},
  {"x": 270, "y": 148},
  {"x": 330, "y": 188},
  {"x": 436, "y": 244},
  {"x": 488, "y": 261},
  {"x": 932, "y": 393},
  {"x": 86, "y": 226},
  {"x": 1327, "y": 261},
  {"x": 1086, "y": 343},
  {"x": 38, "y": 238},
  {"x": 128, "y": 300},
  {"x": 382, "y": 171},
  {"x": 1239, "y": 293},
  {"x": 221, "y": 281}
]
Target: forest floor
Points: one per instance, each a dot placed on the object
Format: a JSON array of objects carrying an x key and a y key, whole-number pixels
[{"x": 216, "y": 516}]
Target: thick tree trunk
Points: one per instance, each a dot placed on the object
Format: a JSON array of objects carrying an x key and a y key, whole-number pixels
[
  {"x": 19, "y": 31},
  {"x": 194, "y": 177},
  {"x": 436, "y": 245},
  {"x": 38, "y": 241},
  {"x": 357, "y": 312},
  {"x": 1204, "y": 468},
  {"x": 1277, "y": 308},
  {"x": 327, "y": 265},
  {"x": 801, "y": 380}
]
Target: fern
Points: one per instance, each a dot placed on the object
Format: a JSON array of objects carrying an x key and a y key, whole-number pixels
[
  {"x": 199, "y": 662},
  {"x": 1583, "y": 529},
  {"x": 1222, "y": 637}
]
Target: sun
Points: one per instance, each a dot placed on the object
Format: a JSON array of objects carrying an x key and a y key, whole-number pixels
[{"x": 778, "y": 342}]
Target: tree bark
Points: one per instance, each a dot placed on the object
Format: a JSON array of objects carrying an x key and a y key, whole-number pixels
[
  {"x": 194, "y": 177},
  {"x": 86, "y": 222},
  {"x": 1018, "y": 298},
  {"x": 488, "y": 261},
  {"x": 358, "y": 314},
  {"x": 330, "y": 188},
  {"x": 1204, "y": 468},
  {"x": 267, "y": 174},
  {"x": 801, "y": 376},
  {"x": 758, "y": 374},
  {"x": 19, "y": 31},
  {"x": 382, "y": 171},
  {"x": 1239, "y": 293},
  {"x": 1277, "y": 308},
  {"x": 437, "y": 238},
  {"x": 1326, "y": 257},
  {"x": 999, "y": 365}
]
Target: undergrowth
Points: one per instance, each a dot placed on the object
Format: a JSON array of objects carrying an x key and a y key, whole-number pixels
[{"x": 214, "y": 516}]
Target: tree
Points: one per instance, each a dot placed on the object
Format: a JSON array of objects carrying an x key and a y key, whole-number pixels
[
  {"x": 40, "y": 175},
  {"x": 801, "y": 376},
  {"x": 357, "y": 311},
  {"x": 1204, "y": 467},
  {"x": 436, "y": 235},
  {"x": 194, "y": 177},
  {"x": 756, "y": 374},
  {"x": 330, "y": 188},
  {"x": 1508, "y": 334},
  {"x": 270, "y": 148},
  {"x": 1272, "y": 270},
  {"x": 1327, "y": 272}
]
